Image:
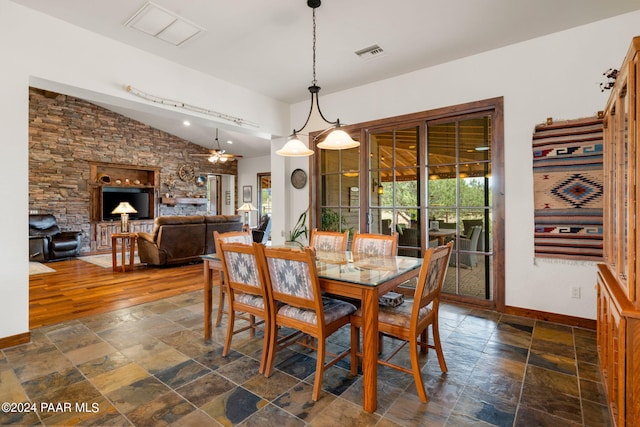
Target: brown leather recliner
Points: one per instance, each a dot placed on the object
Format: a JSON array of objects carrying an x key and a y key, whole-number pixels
[{"x": 48, "y": 243}]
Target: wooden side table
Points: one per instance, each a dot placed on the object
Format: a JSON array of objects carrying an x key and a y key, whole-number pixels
[{"x": 124, "y": 238}]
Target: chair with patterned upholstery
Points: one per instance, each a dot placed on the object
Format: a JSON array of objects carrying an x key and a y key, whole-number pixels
[
  {"x": 228, "y": 237},
  {"x": 375, "y": 244},
  {"x": 292, "y": 280},
  {"x": 329, "y": 241},
  {"x": 247, "y": 293},
  {"x": 409, "y": 321}
]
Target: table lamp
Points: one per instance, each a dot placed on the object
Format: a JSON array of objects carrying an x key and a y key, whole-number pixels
[
  {"x": 246, "y": 208},
  {"x": 124, "y": 209}
]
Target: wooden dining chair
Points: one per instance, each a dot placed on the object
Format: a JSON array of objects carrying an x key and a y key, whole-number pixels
[
  {"x": 329, "y": 241},
  {"x": 409, "y": 321},
  {"x": 247, "y": 292},
  {"x": 292, "y": 280},
  {"x": 228, "y": 237},
  {"x": 375, "y": 244}
]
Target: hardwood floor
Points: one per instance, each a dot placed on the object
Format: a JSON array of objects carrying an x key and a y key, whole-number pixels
[{"x": 77, "y": 289}]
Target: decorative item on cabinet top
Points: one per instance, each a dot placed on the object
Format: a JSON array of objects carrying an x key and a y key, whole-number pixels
[{"x": 172, "y": 201}]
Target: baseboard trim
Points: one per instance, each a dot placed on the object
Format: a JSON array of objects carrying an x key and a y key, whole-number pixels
[
  {"x": 14, "y": 340},
  {"x": 552, "y": 317}
]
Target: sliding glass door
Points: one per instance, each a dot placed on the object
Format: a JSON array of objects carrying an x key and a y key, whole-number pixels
[
  {"x": 459, "y": 206},
  {"x": 432, "y": 177},
  {"x": 394, "y": 186}
]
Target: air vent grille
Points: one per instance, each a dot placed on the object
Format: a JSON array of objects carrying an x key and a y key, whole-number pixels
[
  {"x": 370, "y": 52},
  {"x": 163, "y": 24}
]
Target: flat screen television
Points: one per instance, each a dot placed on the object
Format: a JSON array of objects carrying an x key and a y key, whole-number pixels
[{"x": 139, "y": 199}]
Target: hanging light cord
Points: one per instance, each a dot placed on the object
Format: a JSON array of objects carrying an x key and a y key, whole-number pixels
[
  {"x": 314, "y": 88},
  {"x": 314, "y": 81}
]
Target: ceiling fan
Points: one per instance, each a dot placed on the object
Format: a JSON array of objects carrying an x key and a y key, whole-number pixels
[{"x": 217, "y": 154}]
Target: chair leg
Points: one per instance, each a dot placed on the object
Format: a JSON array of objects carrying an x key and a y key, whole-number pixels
[
  {"x": 417, "y": 375},
  {"x": 271, "y": 347},
  {"x": 317, "y": 382},
  {"x": 252, "y": 326},
  {"x": 438, "y": 345},
  {"x": 230, "y": 326},
  {"x": 424, "y": 340},
  {"x": 265, "y": 346},
  {"x": 220, "y": 301},
  {"x": 355, "y": 348}
]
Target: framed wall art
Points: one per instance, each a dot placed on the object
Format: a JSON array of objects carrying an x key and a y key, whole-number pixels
[{"x": 246, "y": 193}]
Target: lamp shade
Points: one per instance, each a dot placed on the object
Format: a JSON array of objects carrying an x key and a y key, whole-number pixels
[
  {"x": 338, "y": 140},
  {"x": 124, "y": 208},
  {"x": 294, "y": 148},
  {"x": 247, "y": 207}
]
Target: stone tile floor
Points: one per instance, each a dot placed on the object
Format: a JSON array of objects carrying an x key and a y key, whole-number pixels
[{"x": 148, "y": 365}]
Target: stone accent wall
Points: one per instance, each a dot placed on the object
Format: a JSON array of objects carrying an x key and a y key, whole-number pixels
[{"x": 66, "y": 133}]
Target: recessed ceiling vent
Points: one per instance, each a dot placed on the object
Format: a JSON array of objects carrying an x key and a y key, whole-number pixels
[
  {"x": 370, "y": 52},
  {"x": 163, "y": 24}
]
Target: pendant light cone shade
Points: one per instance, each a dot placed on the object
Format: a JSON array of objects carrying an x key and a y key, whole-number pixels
[
  {"x": 338, "y": 140},
  {"x": 294, "y": 148},
  {"x": 124, "y": 209}
]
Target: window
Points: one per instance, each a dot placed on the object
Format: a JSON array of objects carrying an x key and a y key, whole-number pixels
[{"x": 432, "y": 176}]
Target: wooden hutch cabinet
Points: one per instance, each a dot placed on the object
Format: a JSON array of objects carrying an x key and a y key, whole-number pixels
[{"x": 618, "y": 284}]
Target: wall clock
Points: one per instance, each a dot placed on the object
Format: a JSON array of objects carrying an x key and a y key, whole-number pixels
[
  {"x": 298, "y": 178},
  {"x": 186, "y": 173}
]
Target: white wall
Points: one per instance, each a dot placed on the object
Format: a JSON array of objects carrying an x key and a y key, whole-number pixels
[{"x": 553, "y": 76}]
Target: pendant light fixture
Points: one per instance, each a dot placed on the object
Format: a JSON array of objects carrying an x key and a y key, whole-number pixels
[{"x": 337, "y": 139}]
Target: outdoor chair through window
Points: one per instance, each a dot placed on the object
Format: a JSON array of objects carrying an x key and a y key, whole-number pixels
[{"x": 468, "y": 246}]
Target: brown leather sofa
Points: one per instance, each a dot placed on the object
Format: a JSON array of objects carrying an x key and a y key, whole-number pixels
[
  {"x": 183, "y": 239},
  {"x": 48, "y": 243}
]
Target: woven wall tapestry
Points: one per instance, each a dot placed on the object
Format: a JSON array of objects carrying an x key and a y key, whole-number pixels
[{"x": 568, "y": 181}]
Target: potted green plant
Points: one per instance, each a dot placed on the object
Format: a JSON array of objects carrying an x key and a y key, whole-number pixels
[{"x": 299, "y": 230}]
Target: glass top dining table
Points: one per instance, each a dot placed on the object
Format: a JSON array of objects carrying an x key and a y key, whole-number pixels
[
  {"x": 364, "y": 270},
  {"x": 356, "y": 276}
]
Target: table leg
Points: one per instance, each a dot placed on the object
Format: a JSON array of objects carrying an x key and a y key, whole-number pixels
[
  {"x": 123, "y": 248},
  {"x": 132, "y": 248},
  {"x": 208, "y": 278},
  {"x": 114, "y": 256},
  {"x": 370, "y": 350},
  {"x": 220, "y": 300}
]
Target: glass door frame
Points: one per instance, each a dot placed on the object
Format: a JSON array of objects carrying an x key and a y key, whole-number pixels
[{"x": 492, "y": 106}]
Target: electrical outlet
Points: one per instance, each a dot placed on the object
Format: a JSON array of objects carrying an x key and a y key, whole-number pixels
[{"x": 575, "y": 292}]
